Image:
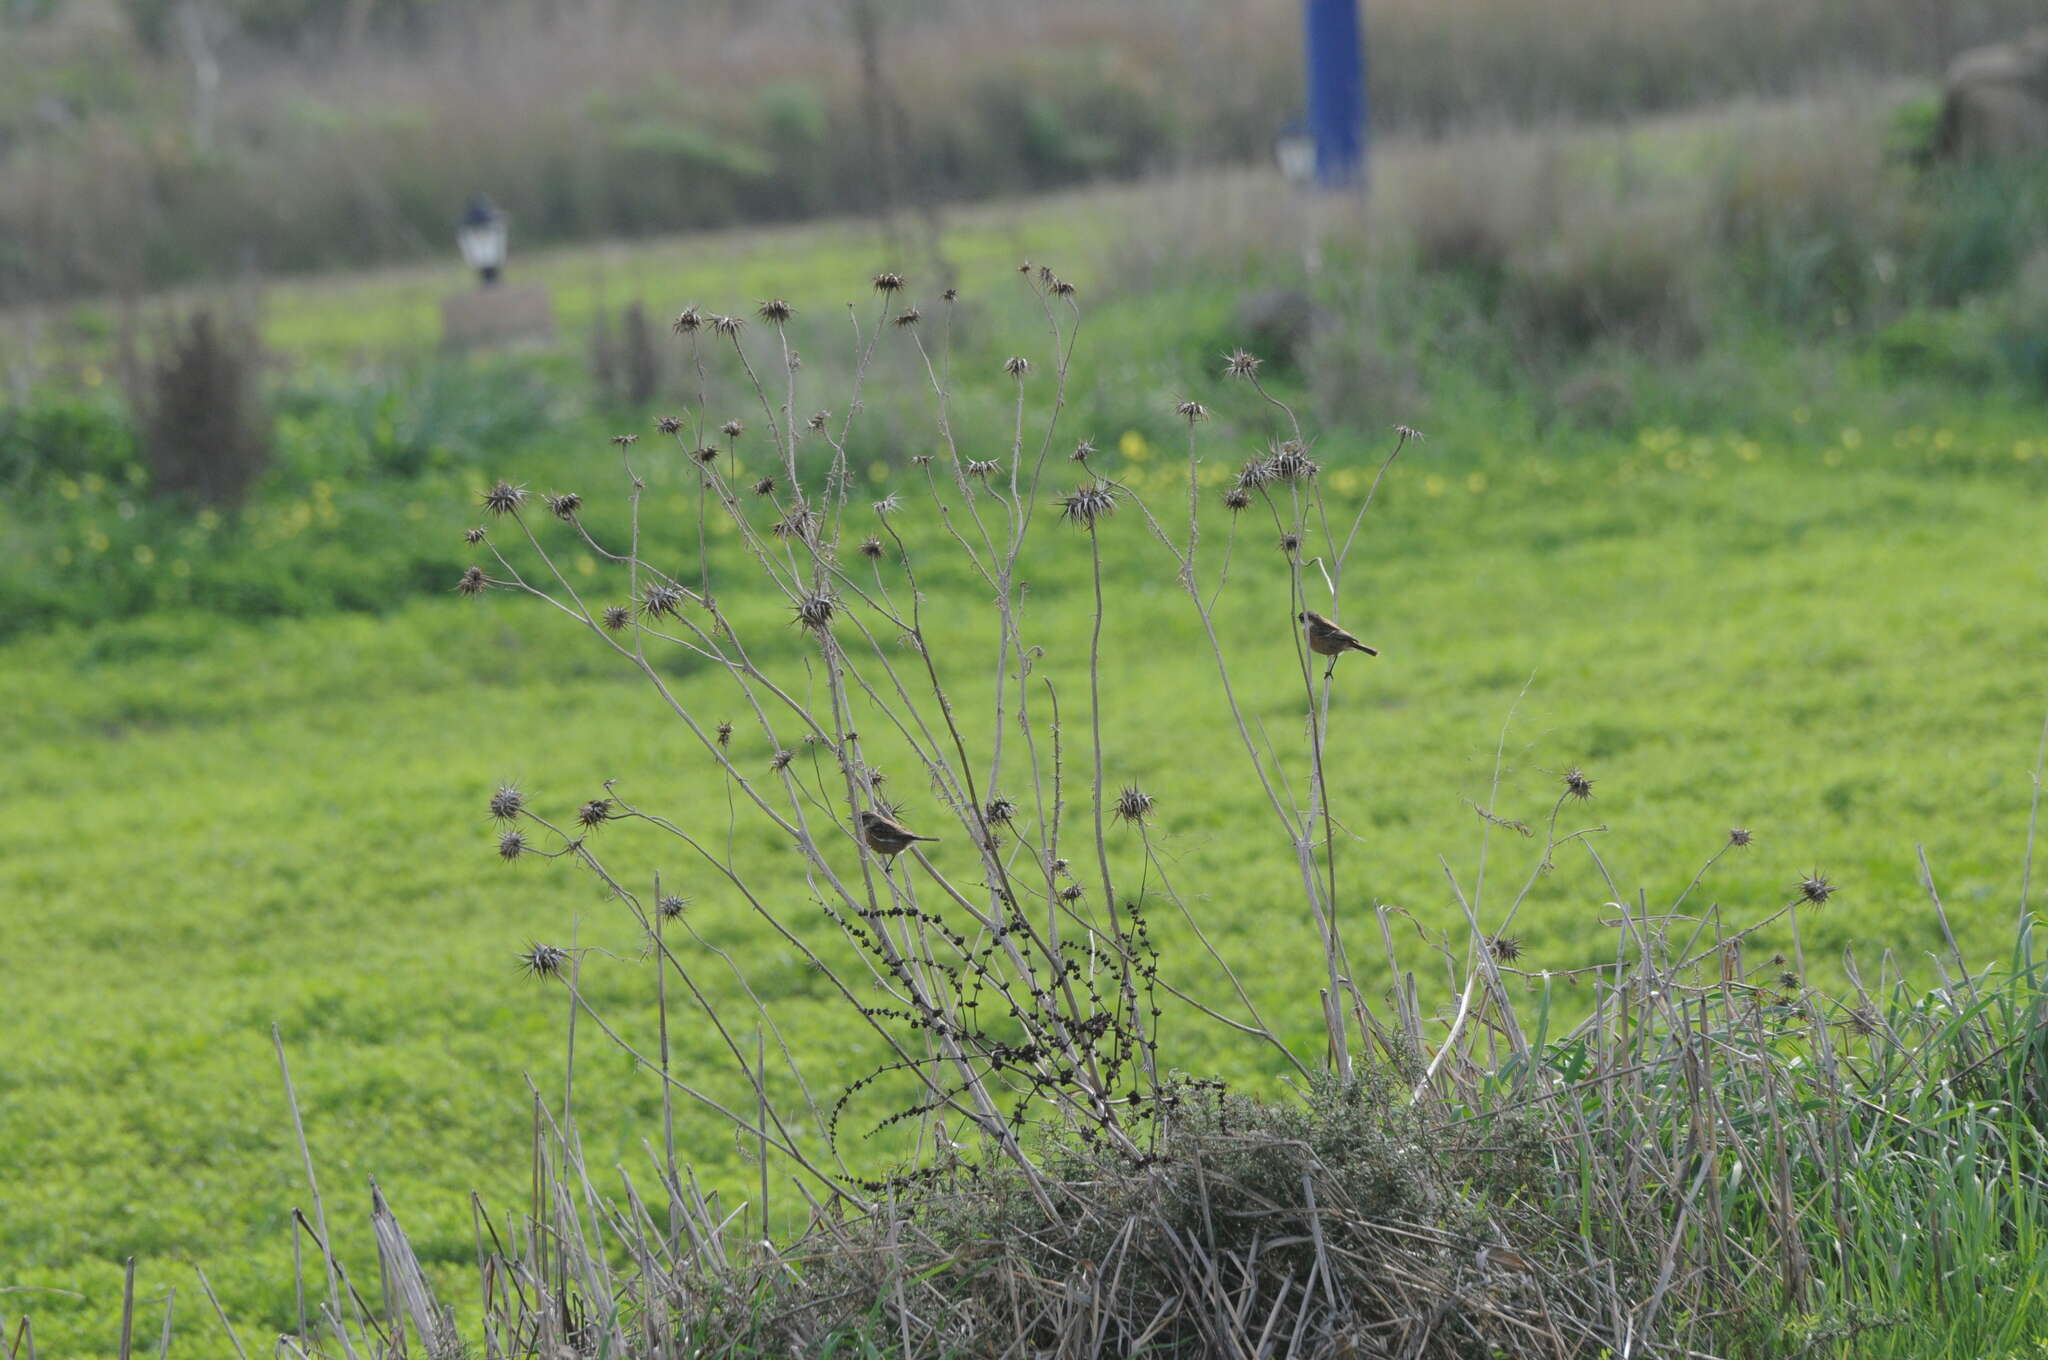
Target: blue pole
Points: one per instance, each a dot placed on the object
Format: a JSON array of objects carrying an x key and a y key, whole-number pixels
[{"x": 1336, "y": 90}]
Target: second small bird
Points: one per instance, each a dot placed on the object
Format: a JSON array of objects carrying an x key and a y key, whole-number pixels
[
  {"x": 886, "y": 835},
  {"x": 1327, "y": 639}
]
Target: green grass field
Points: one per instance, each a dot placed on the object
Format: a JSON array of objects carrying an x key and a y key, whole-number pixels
[{"x": 1827, "y": 623}]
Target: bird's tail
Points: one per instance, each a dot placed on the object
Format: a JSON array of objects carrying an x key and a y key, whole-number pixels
[{"x": 1369, "y": 651}]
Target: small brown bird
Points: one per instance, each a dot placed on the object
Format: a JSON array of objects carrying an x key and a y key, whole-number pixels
[
  {"x": 886, "y": 835},
  {"x": 1327, "y": 639}
]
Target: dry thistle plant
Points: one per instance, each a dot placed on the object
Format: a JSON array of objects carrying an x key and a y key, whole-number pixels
[{"x": 1012, "y": 979}]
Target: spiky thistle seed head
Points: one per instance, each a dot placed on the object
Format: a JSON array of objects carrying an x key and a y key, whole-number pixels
[
  {"x": 1133, "y": 804},
  {"x": 950, "y": 295},
  {"x": 625, "y": 441},
  {"x": 888, "y": 281},
  {"x": 565, "y": 506},
  {"x": 889, "y": 504},
  {"x": 669, "y": 425},
  {"x": 1071, "y": 893},
  {"x": 1576, "y": 784},
  {"x": 504, "y": 498},
  {"x": 983, "y": 467},
  {"x": 472, "y": 582},
  {"x": 1236, "y": 498},
  {"x": 473, "y": 536},
  {"x": 1816, "y": 888},
  {"x": 728, "y": 326},
  {"x": 1739, "y": 836},
  {"x": 511, "y": 845},
  {"x": 1083, "y": 451},
  {"x": 780, "y": 760},
  {"x": 1239, "y": 364},
  {"x": 733, "y": 429},
  {"x": 671, "y": 905},
  {"x": 1061, "y": 288},
  {"x": 687, "y": 321},
  {"x": 1088, "y": 504},
  {"x": 1256, "y": 472},
  {"x": 615, "y": 617},
  {"x": 765, "y": 487},
  {"x": 906, "y": 318},
  {"x": 815, "y": 612},
  {"x": 1864, "y": 1020},
  {"x": 1191, "y": 411},
  {"x": 1789, "y": 980},
  {"x": 818, "y": 419},
  {"x": 543, "y": 960},
  {"x": 871, "y": 548},
  {"x": 798, "y": 524},
  {"x": 507, "y": 802},
  {"x": 594, "y": 813},
  {"x": 659, "y": 599},
  {"x": 725, "y": 734},
  {"x": 706, "y": 454},
  {"x": 920, "y": 460},
  {"x": 775, "y": 311},
  {"x": 1000, "y": 811},
  {"x": 1504, "y": 948},
  {"x": 1289, "y": 463},
  {"x": 1410, "y": 433},
  {"x": 1016, "y": 365},
  {"x": 1290, "y": 543}
]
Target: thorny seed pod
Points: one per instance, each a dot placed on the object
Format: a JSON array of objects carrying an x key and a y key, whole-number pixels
[
  {"x": 1061, "y": 288},
  {"x": 1576, "y": 784},
  {"x": 707, "y": 454},
  {"x": 1133, "y": 804},
  {"x": 1071, "y": 893},
  {"x": 888, "y": 281},
  {"x": 687, "y": 320},
  {"x": 472, "y": 536},
  {"x": 1083, "y": 451},
  {"x": 615, "y": 617},
  {"x": 870, "y": 547},
  {"x": 625, "y": 441},
  {"x": 594, "y": 813},
  {"x": 775, "y": 310},
  {"x": 1864, "y": 1020},
  {"x": 473, "y": 582},
  {"x": 1191, "y": 411},
  {"x": 1290, "y": 464},
  {"x": 1739, "y": 836},
  {"x": 765, "y": 487},
  {"x": 1016, "y": 365},
  {"x": 1816, "y": 888},
  {"x": 504, "y": 498},
  {"x": 818, "y": 419},
  {"x": 729, "y": 326},
  {"x": 659, "y": 599},
  {"x": 725, "y": 734},
  {"x": 1410, "y": 432},
  {"x": 780, "y": 760},
  {"x": 1504, "y": 948},
  {"x": 1088, "y": 503},
  {"x": 889, "y": 504},
  {"x": 950, "y": 295},
  {"x": 983, "y": 467},
  {"x": 798, "y": 525},
  {"x": 565, "y": 506},
  {"x": 1789, "y": 980},
  {"x": 1256, "y": 472},
  {"x": 1238, "y": 364},
  {"x": 732, "y": 429},
  {"x": 906, "y": 318},
  {"x": 815, "y": 612},
  {"x": 671, "y": 906},
  {"x": 669, "y": 425},
  {"x": 1000, "y": 811},
  {"x": 511, "y": 845},
  {"x": 1236, "y": 498},
  {"x": 543, "y": 960},
  {"x": 1290, "y": 543},
  {"x": 507, "y": 803},
  {"x": 920, "y": 460}
]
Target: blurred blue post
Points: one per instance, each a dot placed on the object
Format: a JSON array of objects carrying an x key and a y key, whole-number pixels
[{"x": 1336, "y": 91}]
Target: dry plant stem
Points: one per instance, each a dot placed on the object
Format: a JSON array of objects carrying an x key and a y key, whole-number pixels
[
  {"x": 2033, "y": 822},
  {"x": 291, "y": 1096}
]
